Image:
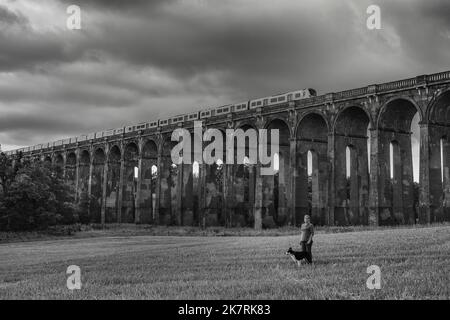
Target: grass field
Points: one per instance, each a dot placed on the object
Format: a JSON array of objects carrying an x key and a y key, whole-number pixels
[{"x": 415, "y": 263}]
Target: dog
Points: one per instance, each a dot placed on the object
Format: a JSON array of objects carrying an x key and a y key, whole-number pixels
[{"x": 297, "y": 256}]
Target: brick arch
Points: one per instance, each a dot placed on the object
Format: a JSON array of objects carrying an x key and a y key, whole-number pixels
[
  {"x": 148, "y": 181},
  {"x": 112, "y": 210},
  {"x": 84, "y": 157},
  {"x": 99, "y": 155},
  {"x": 438, "y": 116},
  {"x": 149, "y": 148},
  {"x": 312, "y": 136},
  {"x": 311, "y": 115},
  {"x": 97, "y": 181},
  {"x": 269, "y": 121},
  {"x": 363, "y": 116},
  {"x": 394, "y": 108},
  {"x": 130, "y": 162},
  {"x": 131, "y": 151},
  {"x": 394, "y": 128},
  {"x": 71, "y": 162},
  {"x": 71, "y": 158},
  {"x": 246, "y": 124},
  {"x": 438, "y": 110},
  {"x": 114, "y": 151},
  {"x": 58, "y": 159},
  {"x": 276, "y": 197},
  {"x": 48, "y": 159},
  {"x": 351, "y": 193}
]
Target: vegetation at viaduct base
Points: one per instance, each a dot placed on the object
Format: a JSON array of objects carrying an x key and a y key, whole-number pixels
[{"x": 34, "y": 196}]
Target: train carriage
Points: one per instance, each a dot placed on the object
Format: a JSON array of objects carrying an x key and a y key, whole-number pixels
[
  {"x": 163, "y": 123},
  {"x": 239, "y": 107}
]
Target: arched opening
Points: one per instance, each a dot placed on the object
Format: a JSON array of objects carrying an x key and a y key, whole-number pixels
[
  {"x": 243, "y": 177},
  {"x": 48, "y": 160},
  {"x": 309, "y": 164},
  {"x": 214, "y": 211},
  {"x": 352, "y": 184},
  {"x": 444, "y": 215},
  {"x": 415, "y": 147},
  {"x": 97, "y": 180},
  {"x": 368, "y": 149},
  {"x": 169, "y": 211},
  {"x": 192, "y": 214},
  {"x": 351, "y": 167},
  {"x": 71, "y": 167},
  {"x": 309, "y": 172},
  {"x": 196, "y": 169},
  {"x": 129, "y": 206},
  {"x": 113, "y": 185},
  {"x": 439, "y": 161},
  {"x": 276, "y": 188},
  {"x": 83, "y": 185},
  {"x": 146, "y": 207},
  {"x": 59, "y": 166},
  {"x": 399, "y": 143},
  {"x": 441, "y": 148},
  {"x": 312, "y": 167},
  {"x": 276, "y": 162},
  {"x": 395, "y": 166},
  {"x": 348, "y": 163},
  {"x": 59, "y": 160},
  {"x": 394, "y": 161}
]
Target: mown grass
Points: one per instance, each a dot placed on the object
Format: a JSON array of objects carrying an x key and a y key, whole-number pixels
[{"x": 415, "y": 264}]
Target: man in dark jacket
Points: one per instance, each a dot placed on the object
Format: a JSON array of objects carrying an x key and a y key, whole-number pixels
[{"x": 306, "y": 237}]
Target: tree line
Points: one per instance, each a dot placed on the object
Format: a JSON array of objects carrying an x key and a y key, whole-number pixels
[{"x": 35, "y": 196}]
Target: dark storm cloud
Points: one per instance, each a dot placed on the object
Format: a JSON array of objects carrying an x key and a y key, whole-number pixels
[
  {"x": 424, "y": 31},
  {"x": 23, "y": 47},
  {"x": 138, "y": 60},
  {"x": 7, "y": 17}
]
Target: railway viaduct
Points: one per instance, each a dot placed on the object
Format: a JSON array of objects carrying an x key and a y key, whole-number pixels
[{"x": 130, "y": 178}]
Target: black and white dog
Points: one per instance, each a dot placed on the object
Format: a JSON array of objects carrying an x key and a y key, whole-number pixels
[{"x": 297, "y": 256}]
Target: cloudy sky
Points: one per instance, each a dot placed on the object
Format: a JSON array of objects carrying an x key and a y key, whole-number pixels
[{"x": 140, "y": 60}]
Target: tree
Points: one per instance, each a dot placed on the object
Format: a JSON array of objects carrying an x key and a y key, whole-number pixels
[
  {"x": 34, "y": 196},
  {"x": 7, "y": 172}
]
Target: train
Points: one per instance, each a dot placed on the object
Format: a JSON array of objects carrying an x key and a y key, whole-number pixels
[{"x": 180, "y": 119}]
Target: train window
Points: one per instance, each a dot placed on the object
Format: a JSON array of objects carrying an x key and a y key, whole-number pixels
[
  {"x": 281, "y": 98},
  {"x": 289, "y": 97},
  {"x": 273, "y": 100}
]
